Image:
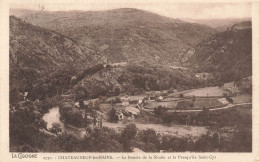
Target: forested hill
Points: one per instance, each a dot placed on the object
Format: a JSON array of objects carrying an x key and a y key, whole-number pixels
[
  {"x": 124, "y": 34},
  {"x": 228, "y": 52},
  {"x": 36, "y": 54},
  {"x": 44, "y": 50},
  {"x": 43, "y": 63}
]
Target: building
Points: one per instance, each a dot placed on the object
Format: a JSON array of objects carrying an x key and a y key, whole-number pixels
[
  {"x": 125, "y": 101},
  {"x": 133, "y": 110}
]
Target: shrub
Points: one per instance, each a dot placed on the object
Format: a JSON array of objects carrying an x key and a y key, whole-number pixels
[
  {"x": 56, "y": 128},
  {"x": 117, "y": 91},
  {"x": 118, "y": 100},
  {"x": 159, "y": 111}
]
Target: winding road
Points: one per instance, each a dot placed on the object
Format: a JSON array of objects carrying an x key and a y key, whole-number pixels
[{"x": 213, "y": 109}]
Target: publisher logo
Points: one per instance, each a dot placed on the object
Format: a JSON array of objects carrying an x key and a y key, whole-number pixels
[{"x": 24, "y": 156}]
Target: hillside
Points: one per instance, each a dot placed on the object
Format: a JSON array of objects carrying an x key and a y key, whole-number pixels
[
  {"x": 154, "y": 47},
  {"x": 228, "y": 52},
  {"x": 35, "y": 51},
  {"x": 133, "y": 78},
  {"x": 42, "y": 62},
  {"x": 219, "y": 24},
  {"x": 124, "y": 34}
]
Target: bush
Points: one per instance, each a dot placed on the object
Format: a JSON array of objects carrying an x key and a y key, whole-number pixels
[
  {"x": 117, "y": 91},
  {"x": 118, "y": 100},
  {"x": 112, "y": 116},
  {"x": 56, "y": 128},
  {"x": 229, "y": 99},
  {"x": 159, "y": 111}
]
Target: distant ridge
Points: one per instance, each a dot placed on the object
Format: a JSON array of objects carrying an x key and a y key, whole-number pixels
[{"x": 125, "y": 34}]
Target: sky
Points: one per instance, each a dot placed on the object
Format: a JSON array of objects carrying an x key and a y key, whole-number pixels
[{"x": 168, "y": 8}]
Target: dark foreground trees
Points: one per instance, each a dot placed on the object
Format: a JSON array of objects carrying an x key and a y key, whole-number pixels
[{"x": 30, "y": 139}]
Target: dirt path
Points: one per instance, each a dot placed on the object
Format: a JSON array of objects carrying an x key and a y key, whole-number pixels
[{"x": 175, "y": 130}]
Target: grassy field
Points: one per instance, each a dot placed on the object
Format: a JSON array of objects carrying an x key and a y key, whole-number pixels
[
  {"x": 198, "y": 104},
  {"x": 208, "y": 91},
  {"x": 206, "y": 102},
  {"x": 170, "y": 105}
]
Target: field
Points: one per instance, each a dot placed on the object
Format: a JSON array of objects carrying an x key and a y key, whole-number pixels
[
  {"x": 208, "y": 91},
  {"x": 170, "y": 105},
  {"x": 206, "y": 102}
]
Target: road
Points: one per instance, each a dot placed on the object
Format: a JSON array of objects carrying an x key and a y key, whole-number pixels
[
  {"x": 174, "y": 130},
  {"x": 214, "y": 109}
]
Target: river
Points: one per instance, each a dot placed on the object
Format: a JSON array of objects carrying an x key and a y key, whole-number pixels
[{"x": 53, "y": 116}]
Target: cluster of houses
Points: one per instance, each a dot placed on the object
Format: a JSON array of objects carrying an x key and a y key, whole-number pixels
[
  {"x": 127, "y": 107},
  {"x": 132, "y": 105}
]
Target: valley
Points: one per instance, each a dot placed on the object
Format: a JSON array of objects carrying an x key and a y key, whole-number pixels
[{"x": 111, "y": 81}]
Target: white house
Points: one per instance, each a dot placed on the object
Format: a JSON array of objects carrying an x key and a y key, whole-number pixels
[{"x": 160, "y": 98}]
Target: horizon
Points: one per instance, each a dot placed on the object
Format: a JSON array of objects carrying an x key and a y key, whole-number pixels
[
  {"x": 183, "y": 18},
  {"x": 196, "y": 11}
]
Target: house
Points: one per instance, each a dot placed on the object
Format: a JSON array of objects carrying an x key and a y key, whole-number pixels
[
  {"x": 160, "y": 98},
  {"x": 132, "y": 110},
  {"x": 121, "y": 116},
  {"x": 125, "y": 101},
  {"x": 151, "y": 98}
]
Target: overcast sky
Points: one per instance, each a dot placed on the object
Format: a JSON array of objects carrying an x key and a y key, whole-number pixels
[{"x": 169, "y": 9}]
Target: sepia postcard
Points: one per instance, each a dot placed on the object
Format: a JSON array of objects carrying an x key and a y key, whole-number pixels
[{"x": 118, "y": 80}]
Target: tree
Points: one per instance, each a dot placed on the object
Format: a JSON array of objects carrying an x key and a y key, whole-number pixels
[
  {"x": 102, "y": 140},
  {"x": 15, "y": 96},
  {"x": 204, "y": 115},
  {"x": 204, "y": 143},
  {"x": 159, "y": 111},
  {"x": 117, "y": 91},
  {"x": 25, "y": 124},
  {"x": 112, "y": 115},
  {"x": 81, "y": 104},
  {"x": 127, "y": 135},
  {"x": 215, "y": 140},
  {"x": 150, "y": 137},
  {"x": 96, "y": 105},
  {"x": 56, "y": 128},
  {"x": 61, "y": 79},
  {"x": 118, "y": 100}
]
